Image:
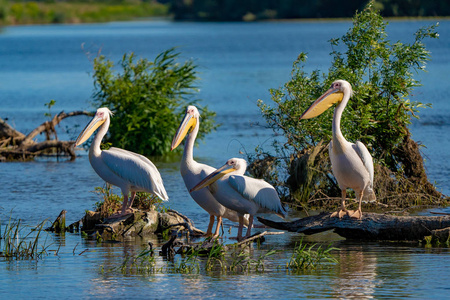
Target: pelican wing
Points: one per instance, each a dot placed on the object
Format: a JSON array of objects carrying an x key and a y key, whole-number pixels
[
  {"x": 136, "y": 169},
  {"x": 367, "y": 160},
  {"x": 258, "y": 191}
]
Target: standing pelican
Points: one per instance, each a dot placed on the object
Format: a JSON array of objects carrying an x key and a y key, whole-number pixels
[
  {"x": 241, "y": 193},
  {"x": 351, "y": 163},
  {"x": 192, "y": 172},
  {"x": 130, "y": 171}
]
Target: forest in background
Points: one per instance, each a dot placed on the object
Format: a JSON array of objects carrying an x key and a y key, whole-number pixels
[
  {"x": 14, "y": 12},
  {"x": 251, "y": 10}
]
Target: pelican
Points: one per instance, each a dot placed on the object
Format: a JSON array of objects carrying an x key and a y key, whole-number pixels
[
  {"x": 130, "y": 171},
  {"x": 192, "y": 172},
  {"x": 241, "y": 193},
  {"x": 352, "y": 164}
]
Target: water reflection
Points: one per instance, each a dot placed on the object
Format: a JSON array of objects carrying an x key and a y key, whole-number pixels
[{"x": 356, "y": 274}]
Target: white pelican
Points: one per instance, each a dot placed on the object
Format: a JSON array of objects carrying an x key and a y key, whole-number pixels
[
  {"x": 130, "y": 171},
  {"x": 192, "y": 172},
  {"x": 241, "y": 193},
  {"x": 351, "y": 163}
]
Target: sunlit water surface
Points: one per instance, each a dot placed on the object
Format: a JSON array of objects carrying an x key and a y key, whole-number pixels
[{"x": 238, "y": 63}]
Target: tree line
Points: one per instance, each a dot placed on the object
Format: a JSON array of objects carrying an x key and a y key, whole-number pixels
[{"x": 251, "y": 10}]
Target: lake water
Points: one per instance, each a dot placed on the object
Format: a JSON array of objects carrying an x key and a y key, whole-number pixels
[{"x": 238, "y": 63}]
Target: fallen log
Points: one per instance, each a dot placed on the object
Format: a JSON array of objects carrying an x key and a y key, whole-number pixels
[
  {"x": 372, "y": 226},
  {"x": 15, "y": 145}
]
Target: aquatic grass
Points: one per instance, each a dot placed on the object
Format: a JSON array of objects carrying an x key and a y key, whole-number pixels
[
  {"x": 215, "y": 255},
  {"x": 22, "y": 246},
  {"x": 227, "y": 259},
  {"x": 143, "y": 263},
  {"x": 306, "y": 257},
  {"x": 189, "y": 264},
  {"x": 240, "y": 261},
  {"x": 259, "y": 263}
]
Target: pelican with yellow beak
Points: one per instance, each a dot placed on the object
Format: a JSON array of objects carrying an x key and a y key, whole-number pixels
[
  {"x": 192, "y": 172},
  {"x": 130, "y": 171},
  {"x": 241, "y": 193},
  {"x": 352, "y": 164}
]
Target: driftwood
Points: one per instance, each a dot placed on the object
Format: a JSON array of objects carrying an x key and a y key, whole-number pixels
[
  {"x": 59, "y": 225},
  {"x": 208, "y": 245},
  {"x": 257, "y": 237},
  {"x": 139, "y": 223},
  {"x": 15, "y": 145},
  {"x": 372, "y": 226}
]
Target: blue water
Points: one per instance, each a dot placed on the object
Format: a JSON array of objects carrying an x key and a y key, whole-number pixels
[{"x": 238, "y": 63}]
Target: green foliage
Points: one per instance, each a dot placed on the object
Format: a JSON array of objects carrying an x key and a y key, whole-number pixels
[
  {"x": 43, "y": 12},
  {"x": 306, "y": 257},
  {"x": 378, "y": 113},
  {"x": 148, "y": 99},
  {"x": 49, "y": 106},
  {"x": 111, "y": 202}
]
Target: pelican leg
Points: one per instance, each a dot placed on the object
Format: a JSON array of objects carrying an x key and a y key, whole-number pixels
[
  {"x": 343, "y": 211},
  {"x": 124, "y": 205},
  {"x": 210, "y": 226},
  {"x": 249, "y": 228},
  {"x": 357, "y": 214},
  {"x": 130, "y": 202},
  {"x": 241, "y": 225},
  {"x": 219, "y": 223}
]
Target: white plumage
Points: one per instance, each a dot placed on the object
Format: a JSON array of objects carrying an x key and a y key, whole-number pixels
[
  {"x": 192, "y": 172},
  {"x": 129, "y": 171},
  {"x": 352, "y": 164},
  {"x": 241, "y": 193}
]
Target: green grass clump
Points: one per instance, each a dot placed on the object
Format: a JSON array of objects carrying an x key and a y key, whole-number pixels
[
  {"x": 19, "y": 245},
  {"x": 306, "y": 257}
]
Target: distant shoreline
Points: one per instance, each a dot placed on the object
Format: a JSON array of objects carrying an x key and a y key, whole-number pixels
[{"x": 37, "y": 13}]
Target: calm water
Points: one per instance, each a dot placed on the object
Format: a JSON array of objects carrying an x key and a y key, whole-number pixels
[{"x": 238, "y": 63}]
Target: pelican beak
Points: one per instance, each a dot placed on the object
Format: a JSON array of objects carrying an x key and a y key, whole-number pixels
[
  {"x": 323, "y": 103},
  {"x": 89, "y": 130},
  {"x": 213, "y": 177},
  {"x": 188, "y": 122}
]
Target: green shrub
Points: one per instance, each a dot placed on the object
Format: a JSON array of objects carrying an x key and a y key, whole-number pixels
[
  {"x": 148, "y": 99},
  {"x": 378, "y": 114}
]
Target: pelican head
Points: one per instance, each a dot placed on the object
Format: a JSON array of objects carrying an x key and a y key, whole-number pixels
[
  {"x": 232, "y": 165},
  {"x": 334, "y": 95},
  {"x": 189, "y": 122},
  {"x": 100, "y": 117}
]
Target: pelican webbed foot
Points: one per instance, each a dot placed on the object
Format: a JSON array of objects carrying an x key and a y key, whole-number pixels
[
  {"x": 340, "y": 213},
  {"x": 357, "y": 214}
]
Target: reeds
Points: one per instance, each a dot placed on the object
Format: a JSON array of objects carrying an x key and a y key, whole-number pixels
[
  {"x": 19, "y": 245},
  {"x": 226, "y": 259},
  {"x": 305, "y": 257}
]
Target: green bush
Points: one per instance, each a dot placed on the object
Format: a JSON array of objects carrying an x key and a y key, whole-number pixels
[
  {"x": 148, "y": 99},
  {"x": 378, "y": 114}
]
